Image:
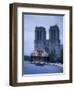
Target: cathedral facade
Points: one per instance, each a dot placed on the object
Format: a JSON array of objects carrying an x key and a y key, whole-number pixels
[{"x": 52, "y": 45}]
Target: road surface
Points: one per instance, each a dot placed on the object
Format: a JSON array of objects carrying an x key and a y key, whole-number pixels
[{"x": 35, "y": 69}]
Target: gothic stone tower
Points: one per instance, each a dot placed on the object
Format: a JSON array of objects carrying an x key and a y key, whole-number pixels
[
  {"x": 40, "y": 38},
  {"x": 54, "y": 41}
]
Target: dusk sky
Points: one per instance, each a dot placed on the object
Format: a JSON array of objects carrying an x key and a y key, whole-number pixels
[{"x": 31, "y": 21}]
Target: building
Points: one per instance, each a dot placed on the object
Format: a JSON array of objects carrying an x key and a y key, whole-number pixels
[
  {"x": 40, "y": 38},
  {"x": 52, "y": 45}
]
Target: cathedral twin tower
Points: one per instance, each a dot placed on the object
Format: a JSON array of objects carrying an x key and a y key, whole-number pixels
[{"x": 52, "y": 45}]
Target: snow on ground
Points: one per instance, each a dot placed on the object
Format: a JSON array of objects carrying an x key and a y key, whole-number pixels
[{"x": 36, "y": 69}]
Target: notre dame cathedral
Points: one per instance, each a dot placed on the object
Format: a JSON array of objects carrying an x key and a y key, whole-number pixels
[{"x": 52, "y": 45}]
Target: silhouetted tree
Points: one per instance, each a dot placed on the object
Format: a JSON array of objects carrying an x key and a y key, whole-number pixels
[
  {"x": 61, "y": 56},
  {"x": 52, "y": 57}
]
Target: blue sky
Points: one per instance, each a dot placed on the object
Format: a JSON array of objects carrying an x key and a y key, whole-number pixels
[{"x": 31, "y": 21}]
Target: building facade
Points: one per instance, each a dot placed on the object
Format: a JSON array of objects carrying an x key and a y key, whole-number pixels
[{"x": 52, "y": 45}]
